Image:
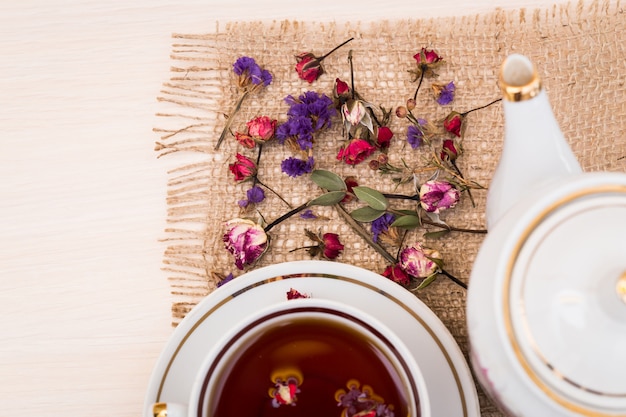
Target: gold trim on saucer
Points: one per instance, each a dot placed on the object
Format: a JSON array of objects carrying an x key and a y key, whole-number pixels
[
  {"x": 232, "y": 296},
  {"x": 508, "y": 321}
]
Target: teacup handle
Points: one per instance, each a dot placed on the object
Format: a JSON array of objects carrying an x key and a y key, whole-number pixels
[{"x": 169, "y": 410}]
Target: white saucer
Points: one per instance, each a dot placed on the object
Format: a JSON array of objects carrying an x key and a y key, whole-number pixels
[{"x": 450, "y": 385}]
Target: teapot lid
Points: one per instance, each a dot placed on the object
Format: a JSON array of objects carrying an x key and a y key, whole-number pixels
[{"x": 565, "y": 300}]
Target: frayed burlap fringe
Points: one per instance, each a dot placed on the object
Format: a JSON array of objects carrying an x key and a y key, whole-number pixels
[{"x": 579, "y": 50}]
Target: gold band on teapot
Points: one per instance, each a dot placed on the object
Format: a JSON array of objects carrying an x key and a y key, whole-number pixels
[
  {"x": 159, "y": 410},
  {"x": 519, "y": 79},
  {"x": 515, "y": 344}
]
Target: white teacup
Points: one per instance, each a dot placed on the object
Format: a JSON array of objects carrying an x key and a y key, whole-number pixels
[{"x": 309, "y": 353}]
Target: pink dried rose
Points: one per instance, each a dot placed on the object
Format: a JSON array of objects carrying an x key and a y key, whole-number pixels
[
  {"x": 355, "y": 152},
  {"x": 245, "y": 240},
  {"x": 397, "y": 274},
  {"x": 244, "y": 168},
  {"x": 262, "y": 128},
  {"x": 354, "y": 112},
  {"x": 420, "y": 262},
  {"x": 427, "y": 60},
  {"x": 453, "y": 123},
  {"x": 436, "y": 196}
]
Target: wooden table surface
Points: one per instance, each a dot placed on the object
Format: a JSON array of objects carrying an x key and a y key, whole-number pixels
[{"x": 85, "y": 306}]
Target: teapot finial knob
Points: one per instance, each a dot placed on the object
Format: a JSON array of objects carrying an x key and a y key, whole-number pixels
[
  {"x": 518, "y": 79},
  {"x": 534, "y": 150}
]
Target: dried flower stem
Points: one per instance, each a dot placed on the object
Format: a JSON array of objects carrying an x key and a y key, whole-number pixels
[
  {"x": 481, "y": 107},
  {"x": 285, "y": 216},
  {"x": 419, "y": 85},
  {"x": 231, "y": 116},
  {"x": 334, "y": 49},
  {"x": 454, "y": 279},
  {"x": 359, "y": 230},
  {"x": 256, "y": 180}
]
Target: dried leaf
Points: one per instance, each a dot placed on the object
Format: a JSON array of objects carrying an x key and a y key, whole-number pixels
[{"x": 371, "y": 197}]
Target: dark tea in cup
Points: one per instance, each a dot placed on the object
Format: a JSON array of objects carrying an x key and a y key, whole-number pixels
[{"x": 309, "y": 359}]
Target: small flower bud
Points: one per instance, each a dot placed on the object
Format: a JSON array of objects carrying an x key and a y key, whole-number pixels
[
  {"x": 410, "y": 104},
  {"x": 374, "y": 164},
  {"x": 383, "y": 158},
  {"x": 401, "y": 112}
]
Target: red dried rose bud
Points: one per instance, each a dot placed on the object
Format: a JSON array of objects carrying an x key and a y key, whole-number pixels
[
  {"x": 245, "y": 140},
  {"x": 427, "y": 56},
  {"x": 245, "y": 168},
  {"x": 332, "y": 245},
  {"x": 453, "y": 123},
  {"x": 351, "y": 182},
  {"x": 355, "y": 152},
  {"x": 308, "y": 67},
  {"x": 448, "y": 151},
  {"x": 341, "y": 88},
  {"x": 383, "y": 137},
  {"x": 397, "y": 274}
]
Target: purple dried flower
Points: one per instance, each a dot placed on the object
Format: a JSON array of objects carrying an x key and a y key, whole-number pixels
[
  {"x": 414, "y": 136},
  {"x": 298, "y": 127},
  {"x": 226, "y": 279},
  {"x": 248, "y": 68},
  {"x": 255, "y": 194},
  {"x": 318, "y": 107},
  {"x": 381, "y": 225},
  {"x": 294, "y": 167},
  {"x": 308, "y": 214},
  {"x": 444, "y": 93}
]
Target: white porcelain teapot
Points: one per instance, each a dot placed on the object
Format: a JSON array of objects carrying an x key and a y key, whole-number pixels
[{"x": 546, "y": 305}]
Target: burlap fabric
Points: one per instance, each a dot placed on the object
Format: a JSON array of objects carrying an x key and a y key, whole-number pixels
[{"x": 579, "y": 50}]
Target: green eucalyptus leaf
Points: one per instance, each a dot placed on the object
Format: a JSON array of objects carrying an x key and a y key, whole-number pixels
[
  {"x": 407, "y": 222},
  {"x": 366, "y": 214},
  {"x": 328, "y": 180},
  {"x": 328, "y": 199},
  {"x": 373, "y": 198},
  {"x": 437, "y": 234},
  {"x": 426, "y": 282}
]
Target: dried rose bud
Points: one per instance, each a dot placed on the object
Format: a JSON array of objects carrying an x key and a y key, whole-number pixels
[
  {"x": 351, "y": 182},
  {"x": 245, "y": 168},
  {"x": 332, "y": 245},
  {"x": 341, "y": 88},
  {"x": 401, "y": 112},
  {"x": 382, "y": 159},
  {"x": 374, "y": 165},
  {"x": 262, "y": 128},
  {"x": 284, "y": 393},
  {"x": 383, "y": 137},
  {"x": 245, "y": 240},
  {"x": 419, "y": 262},
  {"x": 308, "y": 67},
  {"x": 448, "y": 151},
  {"x": 355, "y": 152},
  {"x": 354, "y": 111},
  {"x": 245, "y": 140},
  {"x": 453, "y": 123},
  {"x": 410, "y": 104},
  {"x": 436, "y": 196},
  {"x": 397, "y": 274}
]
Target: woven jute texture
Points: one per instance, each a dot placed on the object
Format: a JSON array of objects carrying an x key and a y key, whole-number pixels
[{"x": 579, "y": 51}]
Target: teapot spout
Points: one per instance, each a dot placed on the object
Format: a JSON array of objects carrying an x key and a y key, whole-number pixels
[{"x": 534, "y": 151}]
